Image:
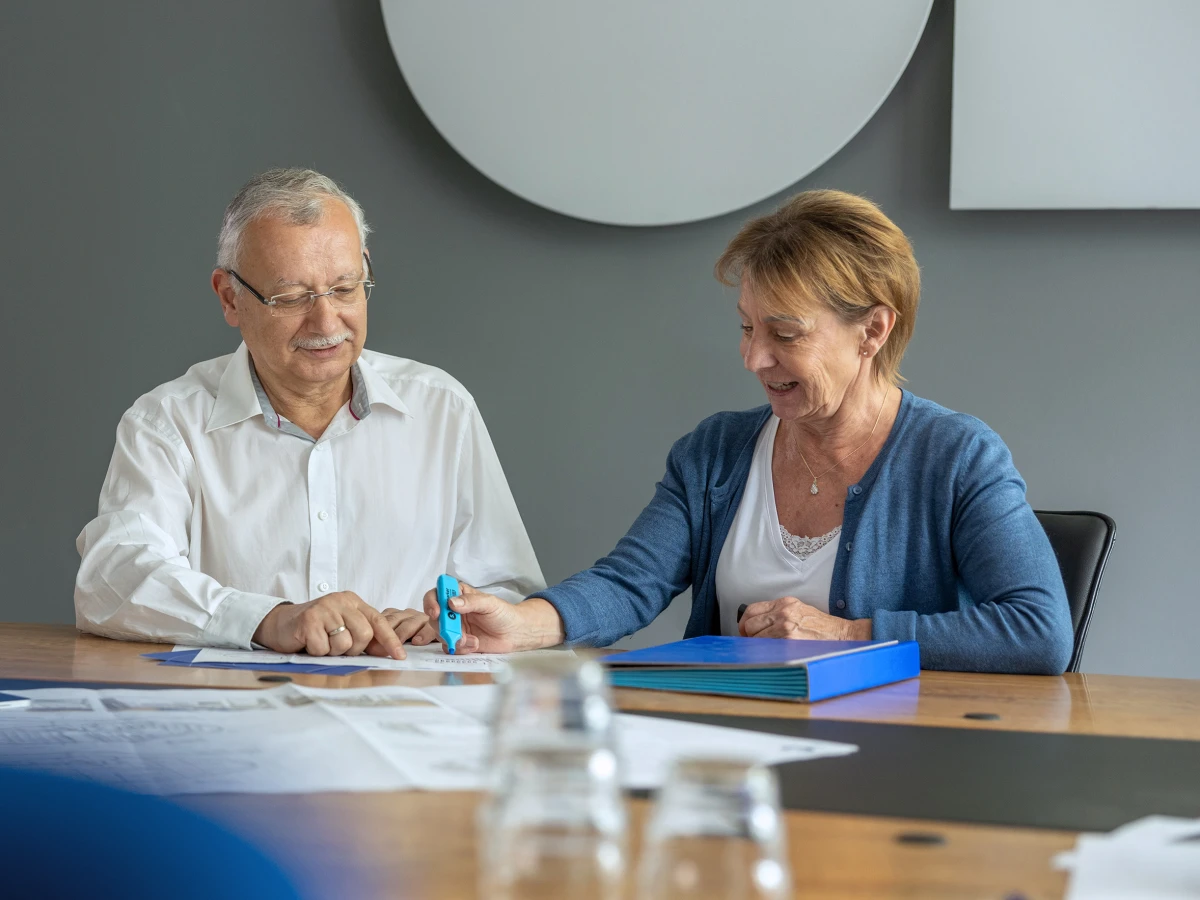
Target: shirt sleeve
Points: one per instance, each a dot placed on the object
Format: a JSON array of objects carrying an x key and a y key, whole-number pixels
[
  {"x": 489, "y": 547},
  {"x": 135, "y": 581},
  {"x": 1017, "y": 619}
]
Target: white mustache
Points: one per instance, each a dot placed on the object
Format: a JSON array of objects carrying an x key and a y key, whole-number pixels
[{"x": 320, "y": 343}]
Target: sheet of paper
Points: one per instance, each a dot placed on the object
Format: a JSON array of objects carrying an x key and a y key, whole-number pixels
[
  {"x": 435, "y": 746},
  {"x": 299, "y": 740},
  {"x": 1155, "y": 858},
  {"x": 649, "y": 745},
  {"x": 200, "y": 741},
  {"x": 422, "y": 659}
]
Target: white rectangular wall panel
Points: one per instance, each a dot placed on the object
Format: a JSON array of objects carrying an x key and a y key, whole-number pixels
[{"x": 1076, "y": 104}]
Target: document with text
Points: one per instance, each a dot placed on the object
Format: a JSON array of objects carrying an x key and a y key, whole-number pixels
[{"x": 294, "y": 739}]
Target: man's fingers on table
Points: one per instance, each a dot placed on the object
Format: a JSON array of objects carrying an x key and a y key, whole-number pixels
[
  {"x": 409, "y": 627},
  {"x": 342, "y": 643},
  {"x": 427, "y": 635},
  {"x": 361, "y": 630},
  {"x": 385, "y": 634},
  {"x": 315, "y": 634}
]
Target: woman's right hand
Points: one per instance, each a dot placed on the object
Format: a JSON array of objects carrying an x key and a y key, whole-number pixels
[{"x": 493, "y": 625}]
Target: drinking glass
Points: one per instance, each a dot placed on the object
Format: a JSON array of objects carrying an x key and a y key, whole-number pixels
[
  {"x": 559, "y": 700},
  {"x": 557, "y": 830},
  {"x": 716, "y": 831},
  {"x": 553, "y": 824}
]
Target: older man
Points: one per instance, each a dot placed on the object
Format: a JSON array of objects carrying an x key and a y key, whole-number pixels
[{"x": 303, "y": 493}]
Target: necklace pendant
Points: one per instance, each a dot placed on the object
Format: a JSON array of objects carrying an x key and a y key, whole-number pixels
[{"x": 813, "y": 489}]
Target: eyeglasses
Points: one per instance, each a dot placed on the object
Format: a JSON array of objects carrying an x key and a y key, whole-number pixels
[{"x": 297, "y": 303}]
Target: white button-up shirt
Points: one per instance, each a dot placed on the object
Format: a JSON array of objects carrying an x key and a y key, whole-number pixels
[{"x": 215, "y": 508}]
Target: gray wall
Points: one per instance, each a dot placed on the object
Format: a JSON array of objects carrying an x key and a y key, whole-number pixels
[{"x": 127, "y": 126}]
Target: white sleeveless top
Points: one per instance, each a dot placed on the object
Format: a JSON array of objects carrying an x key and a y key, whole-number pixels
[{"x": 756, "y": 563}]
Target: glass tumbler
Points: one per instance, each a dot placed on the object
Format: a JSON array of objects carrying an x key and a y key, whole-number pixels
[
  {"x": 554, "y": 821},
  {"x": 557, "y": 830},
  {"x": 551, "y": 701},
  {"x": 716, "y": 831}
]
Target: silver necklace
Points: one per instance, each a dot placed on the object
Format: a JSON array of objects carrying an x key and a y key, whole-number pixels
[{"x": 813, "y": 489}]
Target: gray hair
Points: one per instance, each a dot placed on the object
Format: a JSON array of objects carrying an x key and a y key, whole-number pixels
[{"x": 296, "y": 196}]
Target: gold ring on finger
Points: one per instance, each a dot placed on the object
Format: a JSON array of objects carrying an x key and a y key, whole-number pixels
[{"x": 337, "y": 630}]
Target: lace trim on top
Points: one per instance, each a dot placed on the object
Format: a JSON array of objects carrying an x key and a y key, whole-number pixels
[{"x": 804, "y": 547}]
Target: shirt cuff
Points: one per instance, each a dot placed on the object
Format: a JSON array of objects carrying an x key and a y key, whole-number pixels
[{"x": 236, "y": 618}]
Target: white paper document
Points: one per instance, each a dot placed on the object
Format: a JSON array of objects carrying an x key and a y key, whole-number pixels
[
  {"x": 1155, "y": 858},
  {"x": 300, "y": 740},
  {"x": 430, "y": 658},
  {"x": 649, "y": 745}
]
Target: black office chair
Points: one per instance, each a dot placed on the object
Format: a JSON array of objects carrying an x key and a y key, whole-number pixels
[{"x": 1082, "y": 542}]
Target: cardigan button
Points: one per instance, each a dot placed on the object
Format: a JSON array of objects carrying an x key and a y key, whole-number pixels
[{"x": 841, "y": 604}]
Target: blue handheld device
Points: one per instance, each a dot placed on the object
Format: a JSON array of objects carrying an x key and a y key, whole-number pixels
[{"x": 449, "y": 623}]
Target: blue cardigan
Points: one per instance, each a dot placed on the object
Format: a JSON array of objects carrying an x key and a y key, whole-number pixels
[{"x": 938, "y": 545}]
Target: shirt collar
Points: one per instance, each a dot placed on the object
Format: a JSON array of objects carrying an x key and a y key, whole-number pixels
[
  {"x": 377, "y": 390},
  {"x": 240, "y": 396},
  {"x": 236, "y": 397}
]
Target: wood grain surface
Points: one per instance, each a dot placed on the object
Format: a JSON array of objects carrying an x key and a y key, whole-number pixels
[
  {"x": 414, "y": 844},
  {"x": 1077, "y": 703}
]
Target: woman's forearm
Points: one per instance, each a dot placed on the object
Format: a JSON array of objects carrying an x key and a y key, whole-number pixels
[{"x": 542, "y": 624}]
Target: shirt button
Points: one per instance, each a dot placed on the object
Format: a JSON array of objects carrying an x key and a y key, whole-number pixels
[
  {"x": 322, "y": 515},
  {"x": 323, "y": 586},
  {"x": 841, "y": 604},
  {"x": 857, "y": 490},
  {"x": 849, "y": 546}
]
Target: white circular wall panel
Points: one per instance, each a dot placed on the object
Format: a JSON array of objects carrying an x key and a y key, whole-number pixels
[{"x": 650, "y": 112}]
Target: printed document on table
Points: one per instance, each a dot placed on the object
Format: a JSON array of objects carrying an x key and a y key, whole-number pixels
[
  {"x": 294, "y": 739},
  {"x": 648, "y": 745},
  {"x": 430, "y": 658},
  {"x": 209, "y": 741}
]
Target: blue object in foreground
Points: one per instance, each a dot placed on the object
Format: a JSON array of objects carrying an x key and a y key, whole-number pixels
[
  {"x": 767, "y": 668},
  {"x": 66, "y": 838},
  {"x": 449, "y": 623}
]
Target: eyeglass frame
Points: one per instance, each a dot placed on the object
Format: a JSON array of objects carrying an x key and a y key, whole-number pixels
[{"x": 368, "y": 283}]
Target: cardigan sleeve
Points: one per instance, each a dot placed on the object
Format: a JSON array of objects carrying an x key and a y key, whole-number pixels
[
  {"x": 1017, "y": 619},
  {"x": 648, "y": 568}
]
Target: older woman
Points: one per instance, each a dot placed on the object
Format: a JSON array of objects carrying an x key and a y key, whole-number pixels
[{"x": 846, "y": 509}]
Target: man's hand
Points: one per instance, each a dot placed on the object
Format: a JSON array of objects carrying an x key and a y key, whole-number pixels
[
  {"x": 292, "y": 628},
  {"x": 789, "y": 617},
  {"x": 492, "y": 625},
  {"x": 409, "y": 625}
]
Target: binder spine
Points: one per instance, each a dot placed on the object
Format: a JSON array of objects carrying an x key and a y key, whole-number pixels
[{"x": 837, "y": 675}]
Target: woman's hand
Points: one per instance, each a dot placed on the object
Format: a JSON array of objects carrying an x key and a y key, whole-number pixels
[
  {"x": 788, "y": 617},
  {"x": 492, "y": 625}
]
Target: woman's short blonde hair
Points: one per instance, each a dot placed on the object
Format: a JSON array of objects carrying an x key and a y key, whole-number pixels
[{"x": 834, "y": 249}]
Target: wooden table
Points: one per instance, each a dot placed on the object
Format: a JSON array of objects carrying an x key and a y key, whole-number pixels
[{"x": 388, "y": 838}]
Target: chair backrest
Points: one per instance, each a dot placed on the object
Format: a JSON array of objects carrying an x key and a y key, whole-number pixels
[{"x": 1082, "y": 542}]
